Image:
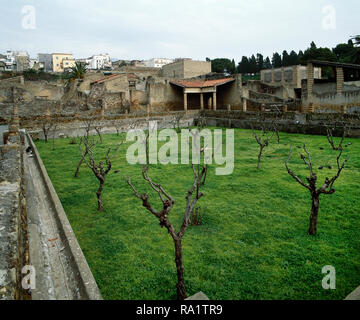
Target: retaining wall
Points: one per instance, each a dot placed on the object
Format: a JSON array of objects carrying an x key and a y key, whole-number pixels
[{"x": 12, "y": 220}]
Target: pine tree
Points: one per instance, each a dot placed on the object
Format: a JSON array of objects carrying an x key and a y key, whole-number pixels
[
  {"x": 276, "y": 60},
  {"x": 285, "y": 59},
  {"x": 267, "y": 63},
  {"x": 259, "y": 62}
]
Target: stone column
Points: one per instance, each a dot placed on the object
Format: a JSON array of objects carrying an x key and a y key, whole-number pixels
[
  {"x": 310, "y": 79},
  {"x": 14, "y": 125},
  {"x": 285, "y": 108},
  {"x": 201, "y": 101},
  {"x": 244, "y": 105},
  {"x": 229, "y": 107},
  {"x": 214, "y": 100},
  {"x": 185, "y": 101},
  {"x": 339, "y": 80}
]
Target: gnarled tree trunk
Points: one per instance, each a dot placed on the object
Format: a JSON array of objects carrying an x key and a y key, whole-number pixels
[
  {"x": 98, "y": 194},
  {"x": 181, "y": 293},
  {"x": 259, "y": 156},
  {"x": 314, "y": 215}
]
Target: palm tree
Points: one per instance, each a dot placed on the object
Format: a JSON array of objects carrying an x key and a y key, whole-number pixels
[
  {"x": 357, "y": 40},
  {"x": 355, "y": 56},
  {"x": 78, "y": 71}
]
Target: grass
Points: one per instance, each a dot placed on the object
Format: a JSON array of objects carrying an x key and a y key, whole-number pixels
[{"x": 253, "y": 242}]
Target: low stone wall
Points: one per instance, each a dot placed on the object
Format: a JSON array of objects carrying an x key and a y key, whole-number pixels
[
  {"x": 73, "y": 127},
  {"x": 72, "y": 124},
  {"x": 81, "y": 282},
  {"x": 12, "y": 217},
  {"x": 291, "y": 122},
  {"x": 354, "y": 295}
]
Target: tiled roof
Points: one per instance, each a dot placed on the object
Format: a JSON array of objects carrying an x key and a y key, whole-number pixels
[
  {"x": 111, "y": 77},
  {"x": 201, "y": 83}
]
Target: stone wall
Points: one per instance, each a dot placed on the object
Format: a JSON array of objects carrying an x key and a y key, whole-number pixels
[
  {"x": 69, "y": 126},
  {"x": 12, "y": 220},
  {"x": 163, "y": 96},
  {"x": 230, "y": 94},
  {"x": 31, "y": 90},
  {"x": 142, "y": 72},
  {"x": 291, "y": 122},
  {"x": 325, "y": 98},
  {"x": 184, "y": 69}
]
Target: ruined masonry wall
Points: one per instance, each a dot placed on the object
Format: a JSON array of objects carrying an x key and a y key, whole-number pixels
[{"x": 12, "y": 204}]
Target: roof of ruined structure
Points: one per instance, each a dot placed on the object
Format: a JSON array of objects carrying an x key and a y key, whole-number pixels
[
  {"x": 107, "y": 78},
  {"x": 335, "y": 64},
  {"x": 201, "y": 83}
]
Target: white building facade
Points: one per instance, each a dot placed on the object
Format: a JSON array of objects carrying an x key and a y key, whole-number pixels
[
  {"x": 158, "y": 62},
  {"x": 98, "y": 62},
  {"x": 13, "y": 58}
]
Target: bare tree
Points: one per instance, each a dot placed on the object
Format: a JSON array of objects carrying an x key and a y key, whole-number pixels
[
  {"x": 88, "y": 123},
  {"x": 201, "y": 121},
  {"x": 193, "y": 195},
  {"x": 100, "y": 169},
  {"x": 84, "y": 140},
  {"x": 330, "y": 138},
  {"x": 263, "y": 141},
  {"x": 117, "y": 126},
  {"x": 276, "y": 130},
  {"x": 91, "y": 124},
  {"x": 53, "y": 137},
  {"x": 176, "y": 121},
  {"x": 98, "y": 129},
  {"x": 326, "y": 188},
  {"x": 46, "y": 128}
]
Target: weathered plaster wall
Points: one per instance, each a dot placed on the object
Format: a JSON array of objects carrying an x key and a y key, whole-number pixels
[
  {"x": 230, "y": 94},
  {"x": 31, "y": 90},
  {"x": 164, "y": 96},
  {"x": 325, "y": 98},
  {"x": 186, "y": 69}
]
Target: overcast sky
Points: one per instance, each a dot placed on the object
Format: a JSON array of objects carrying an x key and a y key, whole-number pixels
[{"x": 142, "y": 29}]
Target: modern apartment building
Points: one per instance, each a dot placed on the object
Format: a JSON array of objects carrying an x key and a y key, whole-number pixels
[
  {"x": 46, "y": 60},
  {"x": 62, "y": 61}
]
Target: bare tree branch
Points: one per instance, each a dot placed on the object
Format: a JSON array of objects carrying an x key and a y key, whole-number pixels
[
  {"x": 163, "y": 215},
  {"x": 327, "y": 187}
]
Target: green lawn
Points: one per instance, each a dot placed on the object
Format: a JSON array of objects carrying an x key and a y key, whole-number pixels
[{"x": 253, "y": 243}]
